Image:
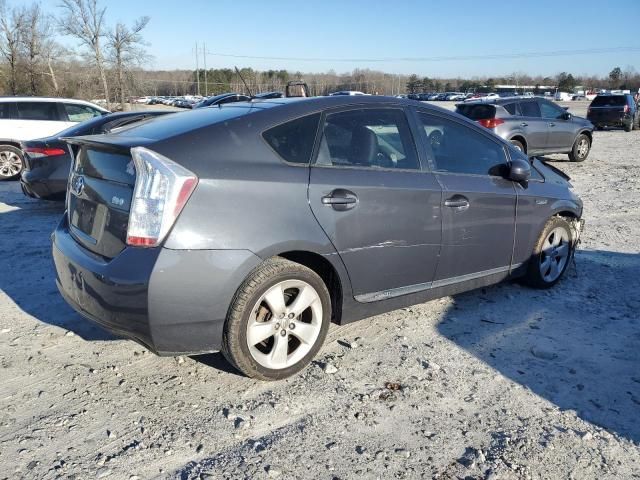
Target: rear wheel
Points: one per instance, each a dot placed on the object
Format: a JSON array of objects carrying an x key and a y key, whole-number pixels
[
  {"x": 518, "y": 144},
  {"x": 628, "y": 127},
  {"x": 278, "y": 320},
  {"x": 580, "y": 150},
  {"x": 551, "y": 254},
  {"x": 10, "y": 162}
]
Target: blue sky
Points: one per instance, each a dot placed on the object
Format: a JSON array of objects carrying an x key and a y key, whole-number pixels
[{"x": 350, "y": 29}]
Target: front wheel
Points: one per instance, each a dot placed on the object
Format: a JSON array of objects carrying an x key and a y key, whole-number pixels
[
  {"x": 278, "y": 320},
  {"x": 551, "y": 254},
  {"x": 580, "y": 150},
  {"x": 10, "y": 162}
]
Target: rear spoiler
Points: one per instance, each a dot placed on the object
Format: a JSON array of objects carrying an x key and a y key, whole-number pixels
[{"x": 108, "y": 142}]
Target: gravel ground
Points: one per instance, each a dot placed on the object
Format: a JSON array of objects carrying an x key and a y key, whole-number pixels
[{"x": 499, "y": 383}]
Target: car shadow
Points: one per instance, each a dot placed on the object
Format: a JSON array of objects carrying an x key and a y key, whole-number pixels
[
  {"x": 27, "y": 275},
  {"x": 219, "y": 362},
  {"x": 576, "y": 345}
]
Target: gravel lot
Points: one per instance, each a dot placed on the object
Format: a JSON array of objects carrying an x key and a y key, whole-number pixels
[{"x": 500, "y": 383}]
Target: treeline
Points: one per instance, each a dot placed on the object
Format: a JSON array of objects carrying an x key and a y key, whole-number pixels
[{"x": 33, "y": 62}]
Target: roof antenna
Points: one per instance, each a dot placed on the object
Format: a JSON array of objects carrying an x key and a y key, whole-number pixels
[{"x": 245, "y": 83}]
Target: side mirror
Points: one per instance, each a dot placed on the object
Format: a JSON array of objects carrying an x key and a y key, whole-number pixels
[
  {"x": 566, "y": 116},
  {"x": 520, "y": 170}
]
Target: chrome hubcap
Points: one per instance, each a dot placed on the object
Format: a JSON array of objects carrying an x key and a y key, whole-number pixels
[
  {"x": 284, "y": 324},
  {"x": 554, "y": 255},
  {"x": 10, "y": 164},
  {"x": 583, "y": 147}
]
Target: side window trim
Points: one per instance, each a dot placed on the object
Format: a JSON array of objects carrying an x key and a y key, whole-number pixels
[
  {"x": 431, "y": 159},
  {"x": 408, "y": 117}
]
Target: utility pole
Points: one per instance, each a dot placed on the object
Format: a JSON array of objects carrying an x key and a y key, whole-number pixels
[
  {"x": 197, "y": 69},
  {"x": 204, "y": 57}
]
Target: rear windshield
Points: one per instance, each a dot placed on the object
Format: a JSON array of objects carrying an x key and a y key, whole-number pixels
[
  {"x": 106, "y": 166},
  {"x": 167, "y": 126},
  {"x": 609, "y": 101},
  {"x": 477, "y": 112}
]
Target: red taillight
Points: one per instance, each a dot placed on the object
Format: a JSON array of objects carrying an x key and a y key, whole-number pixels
[
  {"x": 626, "y": 109},
  {"x": 161, "y": 191},
  {"x": 490, "y": 122},
  {"x": 37, "y": 152}
]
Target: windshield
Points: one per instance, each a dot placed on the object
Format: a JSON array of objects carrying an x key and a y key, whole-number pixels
[
  {"x": 609, "y": 101},
  {"x": 83, "y": 128}
]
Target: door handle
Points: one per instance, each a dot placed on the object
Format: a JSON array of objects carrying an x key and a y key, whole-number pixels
[
  {"x": 457, "y": 201},
  {"x": 524, "y": 124},
  {"x": 552, "y": 124},
  {"x": 340, "y": 199}
]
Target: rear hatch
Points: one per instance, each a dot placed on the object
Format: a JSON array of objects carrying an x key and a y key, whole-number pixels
[
  {"x": 99, "y": 198},
  {"x": 607, "y": 108}
]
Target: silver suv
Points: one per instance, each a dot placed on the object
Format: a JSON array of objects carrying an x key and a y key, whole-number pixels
[{"x": 533, "y": 125}]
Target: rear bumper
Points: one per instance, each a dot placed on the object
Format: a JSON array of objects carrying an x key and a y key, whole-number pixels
[
  {"x": 613, "y": 119},
  {"x": 171, "y": 301},
  {"x": 45, "y": 179}
]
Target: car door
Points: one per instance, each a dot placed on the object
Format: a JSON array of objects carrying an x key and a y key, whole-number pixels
[
  {"x": 39, "y": 119},
  {"x": 535, "y": 127},
  {"x": 9, "y": 126},
  {"x": 371, "y": 197},
  {"x": 478, "y": 202},
  {"x": 562, "y": 131}
]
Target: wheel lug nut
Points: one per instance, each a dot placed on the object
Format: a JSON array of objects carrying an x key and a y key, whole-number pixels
[
  {"x": 291, "y": 326},
  {"x": 291, "y": 315},
  {"x": 277, "y": 326},
  {"x": 281, "y": 315},
  {"x": 283, "y": 333}
]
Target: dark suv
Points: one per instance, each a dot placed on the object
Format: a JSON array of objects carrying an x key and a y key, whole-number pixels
[
  {"x": 250, "y": 227},
  {"x": 614, "y": 111},
  {"x": 535, "y": 126}
]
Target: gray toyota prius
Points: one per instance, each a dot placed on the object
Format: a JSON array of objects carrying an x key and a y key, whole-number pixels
[{"x": 249, "y": 227}]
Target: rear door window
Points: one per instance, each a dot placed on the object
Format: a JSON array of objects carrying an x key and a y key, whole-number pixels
[
  {"x": 80, "y": 113},
  {"x": 368, "y": 138},
  {"x": 38, "y": 111},
  {"x": 293, "y": 141},
  {"x": 530, "y": 109}
]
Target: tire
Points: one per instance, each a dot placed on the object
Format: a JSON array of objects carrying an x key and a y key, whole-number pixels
[
  {"x": 280, "y": 281},
  {"x": 628, "y": 128},
  {"x": 11, "y": 162},
  {"x": 553, "y": 247},
  {"x": 518, "y": 144},
  {"x": 581, "y": 148}
]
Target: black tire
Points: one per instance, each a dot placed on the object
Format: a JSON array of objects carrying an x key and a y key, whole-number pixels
[
  {"x": 534, "y": 276},
  {"x": 628, "y": 128},
  {"x": 10, "y": 168},
  {"x": 235, "y": 346},
  {"x": 578, "y": 154},
  {"x": 518, "y": 144}
]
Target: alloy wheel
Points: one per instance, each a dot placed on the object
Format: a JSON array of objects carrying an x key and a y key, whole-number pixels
[
  {"x": 284, "y": 324},
  {"x": 583, "y": 148},
  {"x": 10, "y": 164},
  {"x": 554, "y": 255}
]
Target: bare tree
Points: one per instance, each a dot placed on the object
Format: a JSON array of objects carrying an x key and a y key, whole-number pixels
[
  {"x": 35, "y": 37},
  {"x": 84, "y": 20},
  {"x": 125, "y": 44},
  {"x": 11, "y": 26}
]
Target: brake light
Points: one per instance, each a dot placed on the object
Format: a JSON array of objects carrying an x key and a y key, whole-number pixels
[
  {"x": 490, "y": 122},
  {"x": 37, "y": 152},
  {"x": 160, "y": 193},
  {"x": 626, "y": 109}
]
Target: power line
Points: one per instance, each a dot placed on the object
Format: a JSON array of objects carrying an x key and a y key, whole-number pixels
[{"x": 496, "y": 56}]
